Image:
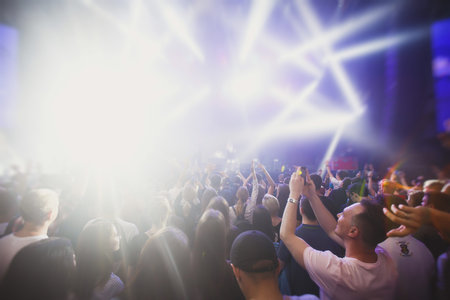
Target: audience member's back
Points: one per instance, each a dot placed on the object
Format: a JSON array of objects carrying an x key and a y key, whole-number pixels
[
  {"x": 39, "y": 209},
  {"x": 164, "y": 268},
  {"x": 214, "y": 278},
  {"x": 95, "y": 264},
  {"x": 299, "y": 281},
  {"x": 42, "y": 270}
]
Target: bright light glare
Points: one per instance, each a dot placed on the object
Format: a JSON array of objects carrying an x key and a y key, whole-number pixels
[
  {"x": 332, "y": 147},
  {"x": 338, "y": 71},
  {"x": 376, "y": 45},
  {"x": 335, "y": 34},
  {"x": 179, "y": 28},
  {"x": 260, "y": 10},
  {"x": 278, "y": 124},
  {"x": 247, "y": 85},
  {"x": 119, "y": 96}
]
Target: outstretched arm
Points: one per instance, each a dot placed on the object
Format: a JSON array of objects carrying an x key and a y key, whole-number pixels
[
  {"x": 252, "y": 204},
  {"x": 269, "y": 179},
  {"x": 295, "y": 244},
  {"x": 411, "y": 218},
  {"x": 329, "y": 172},
  {"x": 324, "y": 217}
]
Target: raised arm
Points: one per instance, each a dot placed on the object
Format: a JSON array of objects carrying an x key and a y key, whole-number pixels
[
  {"x": 323, "y": 215},
  {"x": 252, "y": 204},
  {"x": 269, "y": 179},
  {"x": 411, "y": 218},
  {"x": 330, "y": 174},
  {"x": 295, "y": 244},
  {"x": 246, "y": 180}
]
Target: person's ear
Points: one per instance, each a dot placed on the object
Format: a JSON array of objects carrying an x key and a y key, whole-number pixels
[
  {"x": 278, "y": 270},
  {"x": 237, "y": 273},
  {"x": 53, "y": 214},
  {"x": 353, "y": 232}
]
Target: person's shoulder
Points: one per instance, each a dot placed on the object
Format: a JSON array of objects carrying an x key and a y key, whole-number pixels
[
  {"x": 5, "y": 241},
  {"x": 6, "y": 237}
]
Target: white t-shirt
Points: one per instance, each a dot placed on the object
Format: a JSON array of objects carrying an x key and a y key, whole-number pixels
[
  {"x": 10, "y": 245},
  {"x": 348, "y": 278},
  {"x": 415, "y": 266},
  {"x": 3, "y": 227},
  {"x": 336, "y": 183}
]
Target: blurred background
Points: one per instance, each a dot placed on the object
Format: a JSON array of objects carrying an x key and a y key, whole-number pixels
[{"x": 126, "y": 84}]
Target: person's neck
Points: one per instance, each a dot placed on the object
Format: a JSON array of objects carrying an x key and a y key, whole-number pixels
[
  {"x": 268, "y": 290},
  {"x": 307, "y": 221},
  {"x": 30, "y": 229},
  {"x": 360, "y": 252}
]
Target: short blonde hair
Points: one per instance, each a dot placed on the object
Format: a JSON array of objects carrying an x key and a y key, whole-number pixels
[
  {"x": 271, "y": 203},
  {"x": 37, "y": 204},
  {"x": 433, "y": 185}
]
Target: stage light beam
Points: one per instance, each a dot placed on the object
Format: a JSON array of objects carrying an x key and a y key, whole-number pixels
[
  {"x": 377, "y": 45},
  {"x": 334, "y": 35},
  {"x": 180, "y": 29},
  {"x": 337, "y": 70},
  {"x": 260, "y": 10}
]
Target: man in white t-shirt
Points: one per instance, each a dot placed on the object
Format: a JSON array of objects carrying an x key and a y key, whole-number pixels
[
  {"x": 415, "y": 263},
  {"x": 366, "y": 272},
  {"x": 39, "y": 208}
]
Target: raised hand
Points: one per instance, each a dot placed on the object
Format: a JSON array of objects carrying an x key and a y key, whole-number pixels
[
  {"x": 296, "y": 185},
  {"x": 410, "y": 218},
  {"x": 309, "y": 190}
]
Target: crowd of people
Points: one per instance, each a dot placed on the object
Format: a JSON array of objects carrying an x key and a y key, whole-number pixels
[{"x": 210, "y": 234}]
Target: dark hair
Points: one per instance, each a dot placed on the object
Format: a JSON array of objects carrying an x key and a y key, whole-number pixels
[
  {"x": 371, "y": 223},
  {"x": 282, "y": 196},
  {"x": 8, "y": 203},
  {"x": 342, "y": 174},
  {"x": 164, "y": 268},
  {"x": 41, "y": 270},
  {"x": 415, "y": 198},
  {"x": 317, "y": 181},
  {"x": 346, "y": 182},
  {"x": 263, "y": 222},
  {"x": 219, "y": 203},
  {"x": 438, "y": 201},
  {"x": 356, "y": 188},
  {"x": 261, "y": 193},
  {"x": 215, "y": 180},
  {"x": 307, "y": 209},
  {"x": 208, "y": 194},
  {"x": 386, "y": 201},
  {"x": 209, "y": 253},
  {"x": 94, "y": 257}
]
